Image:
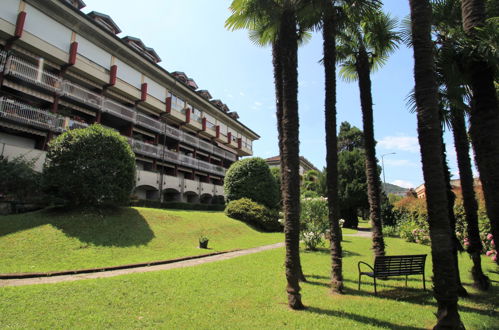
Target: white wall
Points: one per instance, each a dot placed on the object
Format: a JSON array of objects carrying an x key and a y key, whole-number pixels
[
  {"x": 93, "y": 53},
  {"x": 16, "y": 141},
  {"x": 9, "y": 10},
  {"x": 129, "y": 74},
  {"x": 155, "y": 89},
  {"x": 47, "y": 29}
]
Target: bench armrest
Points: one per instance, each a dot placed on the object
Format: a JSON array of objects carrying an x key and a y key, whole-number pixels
[{"x": 362, "y": 262}]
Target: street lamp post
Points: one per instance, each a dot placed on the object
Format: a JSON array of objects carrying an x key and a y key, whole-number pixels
[{"x": 383, "y": 167}]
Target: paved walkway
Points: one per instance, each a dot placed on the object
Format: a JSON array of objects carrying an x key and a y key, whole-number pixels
[
  {"x": 112, "y": 273},
  {"x": 362, "y": 232}
]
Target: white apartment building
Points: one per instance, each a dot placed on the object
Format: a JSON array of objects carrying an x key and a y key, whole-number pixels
[{"x": 62, "y": 69}]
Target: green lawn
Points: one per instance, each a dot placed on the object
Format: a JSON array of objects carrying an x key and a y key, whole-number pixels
[
  {"x": 50, "y": 240},
  {"x": 245, "y": 293}
]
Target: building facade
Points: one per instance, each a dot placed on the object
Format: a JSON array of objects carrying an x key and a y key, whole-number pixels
[
  {"x": 305, "y": 164},
  {"x": 62, "y": 69}
]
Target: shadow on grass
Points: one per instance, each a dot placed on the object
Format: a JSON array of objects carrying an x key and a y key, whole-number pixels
[
  {"x": 121, "y": 227},
  {"x": 359, "y": 318},
  {"x": 327, "y": 251}
]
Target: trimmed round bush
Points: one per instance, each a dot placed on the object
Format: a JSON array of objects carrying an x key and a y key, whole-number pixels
[
  {"x": 90, "y": 167},
  {"x": 251, "y": 178},
  {"x": 254, "y": 214}
]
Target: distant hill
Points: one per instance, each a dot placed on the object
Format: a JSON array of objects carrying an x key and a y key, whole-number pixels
[{"x": 394, "y": 189}]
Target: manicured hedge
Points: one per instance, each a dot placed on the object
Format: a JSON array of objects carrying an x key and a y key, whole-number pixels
[{"x": 255, "y": 214}]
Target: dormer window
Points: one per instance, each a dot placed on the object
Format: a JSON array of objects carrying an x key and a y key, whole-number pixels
[
  {"x": 180, "y": 76},
  {"x": 105, "y": 21},
  {"x": 78, "y": 4},
  {"x": 204, "y": 93},
  {"x": 192, "y": 84},
  {"x": 139, "y": 46}
]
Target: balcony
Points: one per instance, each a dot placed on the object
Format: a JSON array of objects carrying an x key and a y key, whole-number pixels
[
  {"x": 82, "y": 95},
  {"x": 32, "y": 74},
  {"x": 205, "y": 166},
  {"x": 72, "y": 124},
  {"x": 189, "y": 139},
  {"x": 218, "y": 170},
  {"x": 219, "y": 151},
  {"x": 119, "y": 110},
  {"x": 173, "y": 132},
  {"x": 205, "y": 146},
  {"x": 188, "y": 161},
  {"x": 170, "y": 156},
  {"x": 3, "y": 58},
  {"x": 230, "y": 156},
  {"x": 28, "y": 115},
  {"x": 150, "y": 123},
  {"x": 144, "y": 148}
]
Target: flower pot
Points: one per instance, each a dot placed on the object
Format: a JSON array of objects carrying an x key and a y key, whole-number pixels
[{"x": 203, "y": 245}]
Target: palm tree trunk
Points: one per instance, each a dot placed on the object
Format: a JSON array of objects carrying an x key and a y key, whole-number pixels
[
  {"x": 276, "y": 61},
  {"x": 461, "y": 143},
  {"x": 456, "y": 245},
  {"x": 329, "y": 40},
  {"x": 484, "y": 118},
  {"x": 430, "y": 141},
  {"x": 290, "y": 156},
  {"x": 372, "y": 175}
]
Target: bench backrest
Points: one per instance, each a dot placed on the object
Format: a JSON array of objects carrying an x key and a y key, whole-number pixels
[{"x": 399, "y": 265}]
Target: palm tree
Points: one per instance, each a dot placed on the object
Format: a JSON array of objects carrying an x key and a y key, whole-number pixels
[
  {"x": 363, "y": 47},
  {"x": 277, "y": 22},
  {"x": 484, "y": 116},
  {"x": 446, "y": 25},
  {"x": 430, "y": 141}
]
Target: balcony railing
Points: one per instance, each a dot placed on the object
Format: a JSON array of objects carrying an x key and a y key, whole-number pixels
[
  {"x": 30, "y": 73},
  {"x": 3, "y": 58},
  {"x": 119, "y": 110},
  {"x": 219, "y": 151},
  {"x": 82, "y": 95},
  {"x": 218, "y": 170},
  {"x": 205, "y": 166},
  {"x": 247, "y": 145},
  {"x": 25, "y": 114},
  {"x": 188, "y": 161},
  {"x": 205, "y": 146},
  {"x": 151, "y": 123},
  {"x": 197, "y": 118},
  {"x": 170, "y": 156},
  {"x": 173, "y": 132},
  {"x": 76, "y": 124},
  {"x": 189, "y": 139},
  {"x": 230, "y": 156},
  {"x": 144, "y": 148},
  {"x": 210, "y": 125}
]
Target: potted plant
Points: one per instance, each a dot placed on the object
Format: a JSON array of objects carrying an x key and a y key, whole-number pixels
[{"x": 203, "y": 242}]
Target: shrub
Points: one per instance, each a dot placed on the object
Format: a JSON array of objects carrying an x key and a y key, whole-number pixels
[
  {"x": 19, "y": 181},
  {"x": 90, "y": 167},
  {"x": 251, "y": 178},
  {"x": 314, "y": 221},
  {"x": 255, "y": 214}
]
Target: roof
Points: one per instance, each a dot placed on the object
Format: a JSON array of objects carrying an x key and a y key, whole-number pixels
[
  {"x": 105, "y": 20},
  {"x": 141, "y": 47},
  {"x": 303, "y": 161}
]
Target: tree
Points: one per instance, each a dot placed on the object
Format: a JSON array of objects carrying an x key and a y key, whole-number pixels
[
  {"x": 448, "y": 30},
  {"x": 277, "y": 22},
  {"x": 352, "y": 185},
  {"x": 251, "y": 178},
  {"x": 364, "y": 45},
  {"x": 484, "y": 116},
  {"x": 430, "y": 141},
  {"x": 90, "y": 167},
  {"x": 19, "y": 180}
]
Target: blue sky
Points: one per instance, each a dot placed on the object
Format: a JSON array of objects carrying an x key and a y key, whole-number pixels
[{"x": 189, "y": 36}]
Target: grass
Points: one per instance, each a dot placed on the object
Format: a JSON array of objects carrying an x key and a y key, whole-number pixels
[
  {"x": 49, "y": 240},
  {"x": 246, "y": 293}
]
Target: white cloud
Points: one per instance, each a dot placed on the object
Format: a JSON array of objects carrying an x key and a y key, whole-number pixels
[
  {"x": 230, "y": 95},
  {"x": 403, "y": 183},
  {"x": 405, "y": 143},
  {"x": 241, "y": 93},
  {"x": 399, "y": 162},
  {"x": 258, "y": 104}
]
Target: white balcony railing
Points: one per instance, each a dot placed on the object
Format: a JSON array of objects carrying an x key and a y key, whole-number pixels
[
  {"x": 33, "y": 74},
  {"x": 170, "y": 156},
  {"x": 189, "y": 139},
  {"x": 83, "y": 95},
  {"x": 218, "y": 170},
  {"x": 205, "y": 146},
  {"x": 119, "y": 110},
  {"x": 188, "y": 161},
  {"x": 25, "y": 114},
  {"x": 144, "y": 148},
  {"x": 205, "y": 166},
  {"x": 173, "y": 132},
  {"x": 230, "y": 156},
  {"x": 3, "y": 58},
  {"x": 219, "y": 151},
  {"x": 75, "y": 124},
  {"x": 151, "y": 123}
]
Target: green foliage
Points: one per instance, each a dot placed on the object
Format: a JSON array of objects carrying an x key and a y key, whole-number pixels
[
  {"x": 255, "y": 214},
  {"x": 352, "y": 181},
  {"x": 350, "y": 137},
  {"x": 387, "y": 215},
  {"x": 251, "y": 178},
  {"x": 18, "y": 179},
  {"x": 90, "y": 167},
  {"x": 178, "y": 205},
  {"x": 314, "y": 221}
]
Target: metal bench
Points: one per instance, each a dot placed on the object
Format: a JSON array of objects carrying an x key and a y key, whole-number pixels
[{"x": 401, "y": 265}]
